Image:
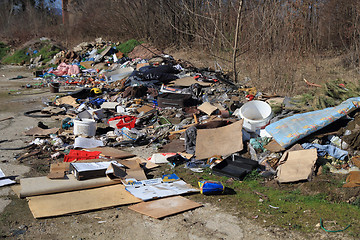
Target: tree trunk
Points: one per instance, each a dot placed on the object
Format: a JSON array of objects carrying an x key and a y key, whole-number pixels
[{"x": 237, "y": 30}]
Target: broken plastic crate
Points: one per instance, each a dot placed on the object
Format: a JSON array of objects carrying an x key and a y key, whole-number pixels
[
  {"x": 122, "y": 121},
  {"x": 236, "y": 168}
]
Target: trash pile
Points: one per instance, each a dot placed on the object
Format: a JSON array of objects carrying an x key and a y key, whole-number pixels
[{"x": 194, "y": 118}]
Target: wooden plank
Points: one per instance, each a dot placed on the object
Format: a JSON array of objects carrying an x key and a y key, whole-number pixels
[
  {"x": 80, "y": 201},
  {"x": 165, "y": 207}
]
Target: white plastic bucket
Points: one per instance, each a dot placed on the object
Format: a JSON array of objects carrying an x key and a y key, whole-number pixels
[
  {"x": 256, "y": 115},
  {"x": 85, "y": 127}
]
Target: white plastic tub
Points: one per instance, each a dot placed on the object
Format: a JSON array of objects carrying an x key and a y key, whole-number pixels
[
  {"x": 256, "y": 115},
  {"x": 85, "y": 127}
]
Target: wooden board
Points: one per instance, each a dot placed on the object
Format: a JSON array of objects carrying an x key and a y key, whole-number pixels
[
  {"x": 80, "y": 201},
  {"x": 165, "y": 207}
]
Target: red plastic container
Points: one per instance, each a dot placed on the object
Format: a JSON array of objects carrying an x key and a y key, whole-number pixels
[{"x": 124, "y": 121}]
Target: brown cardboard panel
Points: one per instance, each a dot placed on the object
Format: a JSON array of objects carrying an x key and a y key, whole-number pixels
[
  {"x": 80, "y": 201},
  {"x": 298, "y": 165},
  {"x": 134, "y": 170},
  {"x": 43, "y": 185},
  {"x": 87, "y": 64},
  {"x": 219, "y": 141},
  {"x": 37, "y": 131},
  {"x": 165, "y": 207},
  {"x": 60, "y": 167},
  {"x": 207, "y": 108},
  {"x": 188, "y": 81},
  {"x": 53, "y": 110},
  {"x": 67, "y": 100},
  {"x": 176, "y": 145},
  {"x": 274, "y": 147},
  {"x": 144, "y": 108},
  {"x": 112, "y": 152},
  {"x": 56, "y": 175},
  {"x": 353, "y": 179},
  {"x": 16, "y": 189}
]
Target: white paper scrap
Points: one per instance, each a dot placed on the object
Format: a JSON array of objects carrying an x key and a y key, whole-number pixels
[
  {"x": 5, "y": 181},
  {"x": 81, "y": 142}
]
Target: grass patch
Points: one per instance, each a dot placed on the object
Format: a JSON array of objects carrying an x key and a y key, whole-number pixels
[
  {"x": 18, "y": 57},
  {"x": 46, "y": 50},
  {"x": 285, "y": 206},
  {"x": 4, "y": 49},
  {"x": 128, "y": 46}
]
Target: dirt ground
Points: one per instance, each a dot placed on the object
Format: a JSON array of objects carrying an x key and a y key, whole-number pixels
[{"x": 207, "y": 222}]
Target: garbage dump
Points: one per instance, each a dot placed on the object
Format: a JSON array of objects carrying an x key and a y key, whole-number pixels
[{"x": 107, "y": 102}]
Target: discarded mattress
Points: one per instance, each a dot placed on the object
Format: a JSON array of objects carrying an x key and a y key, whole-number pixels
[{"x": 291, "y": 129}]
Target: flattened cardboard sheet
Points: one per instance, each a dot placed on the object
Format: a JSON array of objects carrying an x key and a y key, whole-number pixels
[
  {"x": 43, "y": 185},
  {"x": 112, "y": 152},
  {"x": 219, "y": 141},
  {"x": 133, "y": 170},
  {"x": 69, "y": 100},
  {"x": 165, "y": 207},
  {"x": 188, "y": 81},
  {"x": 57, "y": 170},
  {"x": 353, "y": 179},
  {"x": 37, "y": 131},
  {"x": 145, "y": 109},
  {"x": 80, "y": 201},
  {"x": 207, "y": 108},
  {"x": 298, "y": 166},
  {"x": 274, "y": 147},
  {"x": 87, "y": 64}
]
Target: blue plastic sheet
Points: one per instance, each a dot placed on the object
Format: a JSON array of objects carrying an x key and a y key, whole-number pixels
[{"x": 291, "y": 129}]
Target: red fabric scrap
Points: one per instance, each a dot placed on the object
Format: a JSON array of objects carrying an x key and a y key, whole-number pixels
[{"x": 81, "y": 155}]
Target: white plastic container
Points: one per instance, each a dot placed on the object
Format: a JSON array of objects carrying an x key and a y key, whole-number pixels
[
  {"x": 85, "y": 127},
  {"x": 337, "y": 142},
  {"x": 256, "y": 115}
]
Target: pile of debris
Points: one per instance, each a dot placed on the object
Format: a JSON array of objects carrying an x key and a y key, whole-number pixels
[{"x": 193, "y": 117}]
